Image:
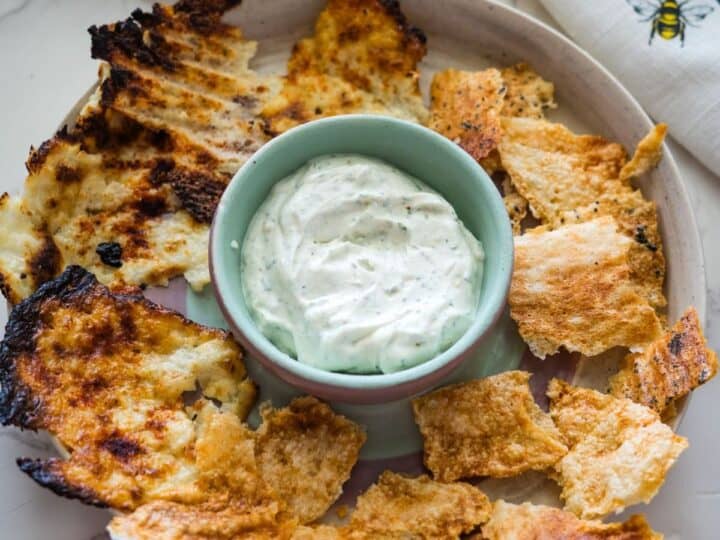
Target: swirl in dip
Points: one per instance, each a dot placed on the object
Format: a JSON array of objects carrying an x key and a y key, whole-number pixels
[{"x": 352, "y": 265}]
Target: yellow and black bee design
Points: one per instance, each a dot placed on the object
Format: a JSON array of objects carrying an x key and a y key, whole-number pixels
[{"x": 669, "y": 18}]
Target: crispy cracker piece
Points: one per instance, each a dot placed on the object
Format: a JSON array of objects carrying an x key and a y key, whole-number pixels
[
  {"x": 668, "y": 368},
  {"x": 528, "y": 94},
  {"x": 306, "y": 97},
  {"x": 28, "y": 256},
  {"x": 419, "y": 508},
  {"x": 106, "y": 373},
  {"x": 572, "y": 287},
  {"x": 180, "y": 70},
  {"x": 556, "y": 170},
  {"x": 486, "y": 427},
  {"x": 620, "y": 451},
  {"x": 647, "y": 154},
  {"x": 322, "y": 532},
  {"x": 534, "y": 522},
  {"x": 305, "y": 453},
  {"x": 637, "y": 219},
  {"x": 370, "y": 45},
  {"x": 465, "y": 108}
]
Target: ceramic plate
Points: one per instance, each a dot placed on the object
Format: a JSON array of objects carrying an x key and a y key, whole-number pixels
[{"x": 473, "y": 34}]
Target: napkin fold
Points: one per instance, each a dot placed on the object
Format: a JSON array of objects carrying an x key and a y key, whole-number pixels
[{"x": 666, "y": 53}]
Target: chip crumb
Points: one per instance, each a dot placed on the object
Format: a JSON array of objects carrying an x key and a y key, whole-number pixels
[{"x": 647, "y": 154}]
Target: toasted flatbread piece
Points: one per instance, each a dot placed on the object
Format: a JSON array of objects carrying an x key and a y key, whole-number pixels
[
  {"x": 572, "y": 287},
  {"x": 28, "y": 256},
  {"x": 305, "y": 453},
  {"x": 419, "y": 508},
  {"x": 620, "y": 451},
  {"x": 370, "y": 45},
  {"x": 528, "y": 94},
  {"x": 669, "y": 368},
  {"x": 647, "y": 154},
  {"x": 106, "y": 373},
  {"x": 162, "y": 520},
  {"x": 180, "y": 70},
  {"x": 128, "y": 222},
  {"x": 556, "y": 170},
  {"x": 465, "y": 108},
  {"x": 486, "y": 427},
  {"x": 533, "y": 522},
  {"x": 306, "y": 97},
  {"x": 637, "y": 219}
]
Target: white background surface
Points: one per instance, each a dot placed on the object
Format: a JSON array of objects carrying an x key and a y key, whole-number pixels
[{"x": 45, "y": 66}]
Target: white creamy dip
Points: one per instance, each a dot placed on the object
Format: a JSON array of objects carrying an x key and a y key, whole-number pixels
[{"x": 352, "y": 265}]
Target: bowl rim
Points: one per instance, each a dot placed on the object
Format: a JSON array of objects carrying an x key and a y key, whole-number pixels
[{"x": 268, "y": 354}]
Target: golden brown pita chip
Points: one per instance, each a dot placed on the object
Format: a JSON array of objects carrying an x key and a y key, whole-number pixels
[
  {"x": 571, "y": 287},
  {"x": 620, "y": 451},
  {"x": 362, "y": 59},
  {"x": 419, "y": 508},
  {"x": 306, "y": 97},
  {"x": 321, "y": 532},
  {"x": 647, "y": 154},
  {"x": 556, "y": 170},
  {"x": 106, "y": 373},
  {"x": 637, "y": 219},
  {"x": 486, "y": 427},
  {"x": 305, "y": 453},
  {"x": 532, "y": 522},
  {"x": 214, "y": 520},
  {"x": 465, "y": 108},
  {"x": 668, "y": 368},
  {"x": 28, "y": 256},
  {"x": 515, "y": 204},
  {"x": 528, "y": 94}
]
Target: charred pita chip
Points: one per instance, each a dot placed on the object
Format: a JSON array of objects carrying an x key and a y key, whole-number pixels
[
  {"x": 572, "y": 287},
  {"x": 620, "y": 451},
  {"x": 533, "y": 522},
  {"x": 305, "y": 453},
  {"x": 486, "y": 427},
  {"x": 465, "y": 108},
  {"x": 418, "y": 508},
  {"x": 556, "y": 170},
  {"x": 106, "y": 373},
  {"x": 120, "y": 220},
  {"x": 527, "y": 94},
  {"x": 647, "y": 154},
  {"x": 28, "y": 256},
  {"x": 637, "y": 219},
  {"x": 669, "y": 368},
  {"x": 370, "y": 45},
  {"x": 190, "y": 81}
]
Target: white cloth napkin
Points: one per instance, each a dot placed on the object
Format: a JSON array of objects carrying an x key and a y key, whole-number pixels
[{"x": 677, "y": 84}]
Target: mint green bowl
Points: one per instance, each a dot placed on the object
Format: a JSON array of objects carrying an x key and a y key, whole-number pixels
[{"x": 438, "y": 162}]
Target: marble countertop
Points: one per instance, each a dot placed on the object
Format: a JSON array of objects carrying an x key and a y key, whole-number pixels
[{"x": 46, "y": 65}]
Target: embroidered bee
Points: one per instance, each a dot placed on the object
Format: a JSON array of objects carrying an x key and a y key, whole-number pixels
[{"x": 669, "y": 18}]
